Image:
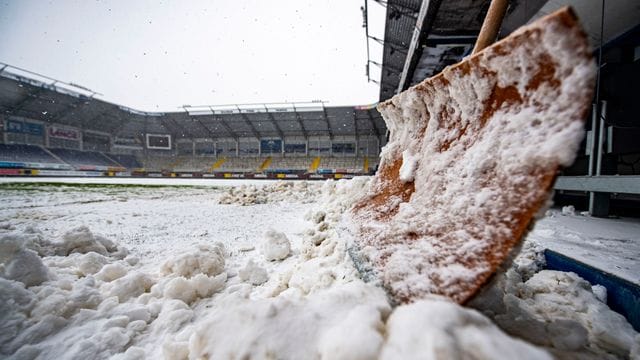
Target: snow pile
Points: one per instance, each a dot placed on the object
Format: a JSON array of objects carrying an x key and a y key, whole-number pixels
[
  {"x": 556, "y": 310},
  {"x": 559, "y": 309},
  {"x": 78, "y": 296},
  {"x": 275, "y": 246},
  {"x": 200, "y": 300},
  {"x": 348, "y": 321},
  {"x": 38, "y": 315},
  {"x": 190, "y": 290},
  {"x": 443, "y": 330},
  {"x": 204, "y": 259},
  {"x": 295, "y": 328},
  {"x": 193, "y": 275},
  {"x": 20, "y": 263},
  {"x": 291, "y": 191},
  {"x": 81, "y": 240}
]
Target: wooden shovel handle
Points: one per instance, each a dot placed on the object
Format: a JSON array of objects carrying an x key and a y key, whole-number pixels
[{"x": 491, "y": 24}]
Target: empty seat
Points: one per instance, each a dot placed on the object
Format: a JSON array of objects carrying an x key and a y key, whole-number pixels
[
  {"x": 83, "y": 158},
  {"x": 25, "y": 153}
]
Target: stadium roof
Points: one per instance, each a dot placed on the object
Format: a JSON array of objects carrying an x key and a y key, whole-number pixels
[
  {"x": 449, "y": 30},
  {"x": 34, "y": 96},
  {"x": 423, "y": 37}
]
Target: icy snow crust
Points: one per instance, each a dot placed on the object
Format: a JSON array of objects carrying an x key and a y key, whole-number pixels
[
  {"x": 167, "y": 273},
  {"x": 471, "y": 157}
]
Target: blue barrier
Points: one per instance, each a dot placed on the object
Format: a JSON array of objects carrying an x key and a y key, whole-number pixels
[
  {"x": 8, "y": 164},
  {"x": 622, "y": 296}
]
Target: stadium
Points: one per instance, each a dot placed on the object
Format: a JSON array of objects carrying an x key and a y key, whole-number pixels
[
  {"x": 88, "y": 137},
  {"x": 218, "y": 230}
]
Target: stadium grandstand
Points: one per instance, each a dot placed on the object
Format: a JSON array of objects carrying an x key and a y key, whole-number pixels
[{"x": 52, "y": 128}]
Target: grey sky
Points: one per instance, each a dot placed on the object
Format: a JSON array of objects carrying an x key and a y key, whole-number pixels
[{"x": 158, "y": 55}]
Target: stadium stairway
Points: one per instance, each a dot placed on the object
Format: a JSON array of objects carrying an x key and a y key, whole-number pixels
[
  {"x": 174, "y": 164},
  {"x": 217, "y": 164},
  {"x": 315, "y": 164},
  {"x": 265, "y": 164},
  {"x": 52, "y": 154},
  {"x": 112, "y": 159}
]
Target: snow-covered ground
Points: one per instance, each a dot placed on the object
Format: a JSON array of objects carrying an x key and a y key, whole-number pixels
[
  {"x": 237, "y": 269},
  {"x": 612, "y": 245},
  {"x": 134, "y": 181}
]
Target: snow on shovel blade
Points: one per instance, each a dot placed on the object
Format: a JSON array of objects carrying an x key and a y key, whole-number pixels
[{"x": 472, "y": 157}]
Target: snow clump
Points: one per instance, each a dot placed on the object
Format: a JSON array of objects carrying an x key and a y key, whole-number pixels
[
  {"x": 276, "y": 246},
  {"x": 253, "y": 273},
  {"x": 204, "y": 259},
  {"x": 408, "y": 167},
  {"x": 19, "y": 263},
  {"x": 568, "y": 210},
  {"x": 82, "y": 240},
  {"x": 189, "y": 290},
  {"x": 289, "y": 191}
]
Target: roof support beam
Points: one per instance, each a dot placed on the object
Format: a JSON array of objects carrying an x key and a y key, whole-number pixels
[
  {"x": 450, "y": 40},
  {"x": 163, "y": 123},
  {"x": 175, "y": 125},
  {"x": 254, "y": 131},
  {"x": 396, "y": 44},
  {"x": 214, "y": 136},
  {"x": 275, "y": 123},
  {"x": 101, "y": 114},
  {"x": 301, "y": 123},
  {"x": 355, "y": 123},
  {"x": 118, "y": 127},
  {"x": 28, "y": 99},
  {"x": 386, "y": 67},
  {"x": 399, "y": 8},
  {"x": 66, "y": 111},
  {"x": 373, "y": 124},
  {"x": 427, "y": 13},
  {"x": 326, "y": 119},
  {"x": 227, "y": 127}
]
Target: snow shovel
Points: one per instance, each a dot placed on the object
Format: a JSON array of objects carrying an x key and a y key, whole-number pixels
[{"x": 472, "y": 158}]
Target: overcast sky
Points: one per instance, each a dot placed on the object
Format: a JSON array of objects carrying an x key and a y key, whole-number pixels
[{"x": 159, "y": 55}]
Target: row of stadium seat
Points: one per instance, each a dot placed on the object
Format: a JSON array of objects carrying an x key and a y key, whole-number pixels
[
  {"x": 252, "y": 164},
  {"x": 25, "y": 153},
  {"x": 19, "y": 153},
  {"x": 76, "y": 158}
]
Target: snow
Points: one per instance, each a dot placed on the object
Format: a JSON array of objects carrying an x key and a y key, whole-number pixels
[
  {"x": 568, "y": 210},
  {"x": 162, "y": 272},
  {"x": 471, "y": 155},
  {"x": 438, "y": 329},
  {"x": 253, "y": 274},
  {"x": 300, "y": 191},
  {"x": 604, "y": 243},
  {"x": 408, "y": 167},
  {"x": 136, "y": 181},
  {"x": 275, "y": 246},
  {"x": 21, "y": 264},
  {"x": 204, "y": 259},
  {"x": 557, "y": 310}
]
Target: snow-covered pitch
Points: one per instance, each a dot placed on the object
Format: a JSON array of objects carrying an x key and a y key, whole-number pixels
[{"x": 235, "y": 270}]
